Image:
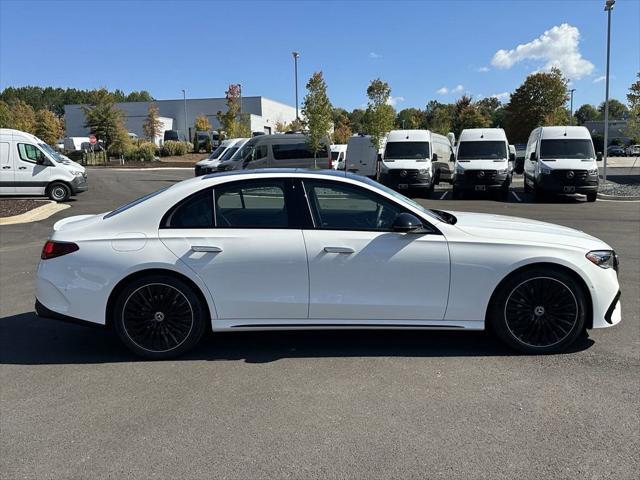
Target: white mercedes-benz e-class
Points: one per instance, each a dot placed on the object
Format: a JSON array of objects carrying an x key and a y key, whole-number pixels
[{"x": 291, "y": 249}]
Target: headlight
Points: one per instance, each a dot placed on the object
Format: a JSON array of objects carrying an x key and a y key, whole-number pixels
[
  {"x": 593, "y": 171},
  {"x": 423, "y": 171},
  {"x": 77, "y": 173},
  {"x": 503, "y": 171},
  {"x": 603, "y": 258},
  {"x": 545, "y": 170},
  {"x": 459, "y": 170}
]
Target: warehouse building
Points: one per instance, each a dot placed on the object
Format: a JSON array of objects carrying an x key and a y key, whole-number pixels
[{"x": 262, "y": 112}]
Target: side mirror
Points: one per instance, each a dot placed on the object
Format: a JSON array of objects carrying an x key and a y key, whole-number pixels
[
  {"x": 512, "y": 157},
  {"x": 533, "y": 157},
  {"x": 599, "y": 156},
  {"x": 435, "y": 157},
  {"x": 408, "y": 223}
]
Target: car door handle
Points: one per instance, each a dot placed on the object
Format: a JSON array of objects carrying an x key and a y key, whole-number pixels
[
  {"x": 22, "y": 168},
  {"x": 205, "y": 248},
  {"x": 346, "y": 250},
  {"x": 6, "y": 167}
]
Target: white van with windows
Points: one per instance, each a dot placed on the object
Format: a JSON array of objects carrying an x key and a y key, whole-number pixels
[
  {"x": 483, "y": 162},
  {"x": 210, "y": 163},
  {"x": 338, "y": 153},
  {"x": 409, "y": 160},
  {"x": 561, "y": 159},
  {"x": 28, "y": 166},
  {"x": 361, "y": 156}
]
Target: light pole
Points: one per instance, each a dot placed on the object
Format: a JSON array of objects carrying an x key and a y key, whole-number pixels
[
  {"x": 608, "y": 6},
  {"x": 296, "y": 55},
  {"x": 240, "y": 92},
  {"x": 571, "y": 108},
  {"x": 184, "y": 97}
]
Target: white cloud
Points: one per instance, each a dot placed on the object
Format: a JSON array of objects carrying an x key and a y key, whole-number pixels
[
  {"x": 502, "y": 96},
  {"x": 482, "y": 69},
  {"x": 374, "y": 55},
  {"x": 602, "y": 78},
  {"x": 557, "y": 47},
  {"x": 393, "y": 101},
  {"x": 458, "y": 89},
  {"x": 442, "y": 91}
]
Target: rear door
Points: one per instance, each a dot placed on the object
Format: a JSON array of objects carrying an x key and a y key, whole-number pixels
[{"x": 6, "y": 169}]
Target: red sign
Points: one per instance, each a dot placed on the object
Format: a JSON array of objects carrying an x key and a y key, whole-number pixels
[{"x": 92, "y": 139}]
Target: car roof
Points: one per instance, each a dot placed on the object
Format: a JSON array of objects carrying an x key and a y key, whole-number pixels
[
  {"x": 281, "y": 171},
  {"x": 562, "y": 131},
  {"x": 480, "y": 134}
]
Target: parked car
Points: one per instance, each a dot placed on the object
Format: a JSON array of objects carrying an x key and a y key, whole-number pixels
[
  {"x": 278, "y": 151},
  {"x": 210, "y": 164},
  {"x": 633, "y": 151},
  {"x": 483, "y": 162},
  {"x": 174, "y": 135},
  {"x": 292, "y": 249},
  {"x": 31, "y": 167},
  {"x": 615, "y": 151},
  {"x": 361, "y": 156},
  {"x": 338, "y": 153},
  {"x": 561, "y": 159}
]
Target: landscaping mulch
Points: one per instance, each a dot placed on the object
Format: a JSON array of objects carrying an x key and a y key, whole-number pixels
[
  {"x": 13, "y": 206},
  {"x": 624, "y": 187}
]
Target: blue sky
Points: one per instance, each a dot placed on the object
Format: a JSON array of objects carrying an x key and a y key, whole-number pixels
[{"x": 424, "y": 49}]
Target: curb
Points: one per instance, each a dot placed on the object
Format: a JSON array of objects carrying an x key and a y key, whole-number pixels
[
  {"x": 618, "y": 198},
  {"x": 39, "y": 213}
]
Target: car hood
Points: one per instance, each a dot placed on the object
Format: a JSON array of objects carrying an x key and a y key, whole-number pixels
[
  {"x": 569, "y": 163},
  {"x": 515, "y": 229},
  {"x": 482, "y": 164}
]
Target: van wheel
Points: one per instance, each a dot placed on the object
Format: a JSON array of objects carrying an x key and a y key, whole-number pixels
[
  {"x": 591, "y": 196},
  {"x": 527, "y": 188},
  {"x": 58, "y": 192}
]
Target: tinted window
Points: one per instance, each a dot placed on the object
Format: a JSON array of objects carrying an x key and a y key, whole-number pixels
[
  {"x": 29, "y": 153},
  {"x": 289, "y": 151},
  {"x": 228, "y": 154},
  {"x": 344, "y": 207},
  {"x": 217, "y": 152},
  {"x": 406, "y": 150},
  {"x": 569, "y": 148},
  {"x": 334, "y": 155},
  {"x": 194, "y": 212},
  {"x": 135, "y": 202},
  {"x": 482, "y": 150},
  {"x": 251, "y": 205}
]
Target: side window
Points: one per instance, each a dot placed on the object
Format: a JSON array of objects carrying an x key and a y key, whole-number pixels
[
  {"x": 257, "y": 204},
  {"x": 290, "y": 151},
  {"x": 338, "y": 206},
  {"x": 4, "y": 153},
  {"x": 29, "y": 153},
  {"x": 194, "y": 212},
  {"x": 261, "y": 151}
]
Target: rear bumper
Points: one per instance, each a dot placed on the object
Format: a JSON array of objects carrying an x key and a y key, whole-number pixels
[{"x": 44, "y": 312}]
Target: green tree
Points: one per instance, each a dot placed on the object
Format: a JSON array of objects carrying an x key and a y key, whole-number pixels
[
  {"x": 106, "y": 122},
  {"x": 152, "y": 125},
  {"x": 409, "y": 118},
  {"x": 439, "y": 117},
  {"x": 48, "y": 126},
  {"x": 23, "y": 117},
  {"x": 5, "y": 115},
  {"x": 586, "y": 113},
  {"x": 229, "y": 120},
  {"x": 317, "y": 111},
  {"x": 357, "y": 121},
  {"x": 632, "y": 129},
  {"x": 342, "y": 131},
  {"x": 492, "y": 109},
  {"x": 617, "y": 110},
  {"x": 539, "y": 101},
  {"x": 380, "y": 116},
  {"x": 471, "y": 117}
]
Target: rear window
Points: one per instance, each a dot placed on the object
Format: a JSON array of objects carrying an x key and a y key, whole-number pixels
[
  {"x": 137, "y": 201},
  {"x": 290, "y": 151},
  {"x": 406, "y": 151},
  {"x": 566, "y": 148},
  {"x": 482, "y": 150}
]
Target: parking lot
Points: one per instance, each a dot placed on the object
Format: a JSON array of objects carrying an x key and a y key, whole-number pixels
[{"x": 76, "y": 404}]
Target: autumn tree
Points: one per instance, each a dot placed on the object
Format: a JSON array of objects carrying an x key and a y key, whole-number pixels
[
  {"x": 5, "y": 115},
  {"x": 632, "y": 129},
  {"x": 539, "y": 101},
  {"x": 232, "y": 125},
  {"x": 342, "y": 130},
  {"x": 23, "y": 117},
  {"x": 106, "y": 122},
  {"x": 202, "y": 124},
  {"x": 439, "y": 117},
  {"x": 152, "y": 126},
  {"x": 317, "y": 111},
  {"x": 356, "y": 120},
  {"x": 380, "y": 116},
  {"x": 48, "y": 126}
]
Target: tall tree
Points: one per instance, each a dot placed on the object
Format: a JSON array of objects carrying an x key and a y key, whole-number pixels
[
  {"x": 409, "y": 118},
  {"x": 380, "y": 116},
  {"x": 342, "y": 131},
  {"x": 202, "y": 124},
  {"x": 439, "y": 117},
  {"x": 586, "y": 113},
  {"x": 356, "y": 119},
  {"x": 633, "y": 123},
  {"x": 48, "y": 126},
  {"x": 229, "y": 119},
  {"x": 617, "y": 110},
  {"x": 5, "y": 115},
  {"x": 23, "y": 117},
  {"x": 539, "y": 101},
  {"x": 106, "y": 121},
  {"x": 318, "y": 111},
  {"x": 152, "y": 126}
]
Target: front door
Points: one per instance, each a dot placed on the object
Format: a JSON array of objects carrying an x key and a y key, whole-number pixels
[
  {"x": 246, "y": 249},
  {"x": 31, "y": 178},
  {"x": 6, "y": 169},
  {"x": 360, "y": 269}
]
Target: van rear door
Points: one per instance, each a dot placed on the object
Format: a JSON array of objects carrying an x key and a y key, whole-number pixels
[{"x": 7, "y": 174}]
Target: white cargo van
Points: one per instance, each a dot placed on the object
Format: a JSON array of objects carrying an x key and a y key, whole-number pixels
[
  {"x": 28, "y": 166},
  {"x": 409, "y": 160},
  {"x": 561, "y": 160},
  {"x": 338, "y": 152},
  {"x": 483, "y": 162},
  {"x": 210, "y": 163},
  {"x": 361, "y": 156}
]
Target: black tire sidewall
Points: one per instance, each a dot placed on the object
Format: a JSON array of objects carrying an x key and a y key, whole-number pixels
[
  {"x": 497, "y": 321},
  {"x": 55, "y": 185},
  {"x": 200, "y": 316}
]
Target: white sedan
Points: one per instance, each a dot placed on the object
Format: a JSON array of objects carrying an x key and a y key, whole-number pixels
[{"x": 290, "y": 249}]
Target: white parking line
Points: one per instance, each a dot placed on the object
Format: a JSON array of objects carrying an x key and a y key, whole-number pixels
[
  {"x": 443, "y": 195},
  {"x": 516, "y": 195}
]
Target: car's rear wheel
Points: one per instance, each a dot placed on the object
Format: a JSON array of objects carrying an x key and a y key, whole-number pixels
[
  {"x": 159, "y": 317},
  {"x": 541, "y": 310},
  {"x": 58, "y": 192}
]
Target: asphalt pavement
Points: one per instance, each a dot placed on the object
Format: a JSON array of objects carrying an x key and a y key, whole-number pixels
[{"x": 76, "y": 404}]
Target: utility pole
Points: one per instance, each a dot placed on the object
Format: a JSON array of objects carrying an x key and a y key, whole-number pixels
[
  {"x": 296, "y": 55},
  {"x": 184, "y": 97},
  {"x": 571, "y": 109},
  {"x": 608, "y": 6}
]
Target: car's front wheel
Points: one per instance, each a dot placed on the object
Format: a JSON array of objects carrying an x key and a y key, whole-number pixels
[
  {"x": 58, "y": 192},
  {"x": 541, "y": 310},
  {"x": 159, "y": 317}
]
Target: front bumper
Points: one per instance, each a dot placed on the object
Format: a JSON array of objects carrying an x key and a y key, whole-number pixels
[
  {"x": 400, "y": 179},
  {"x": 79, "y": 184},
  {"x": 488, "y": 179},
  {"x": 558, "y": 181}
]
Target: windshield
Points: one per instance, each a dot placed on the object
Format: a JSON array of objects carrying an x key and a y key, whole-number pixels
[
  {"x": 407, "y": 151},
  {"x": 55, "y": 156},
  {"x": 567, "y": 148},
  {"x": 482, "y": 150},
  {"x": 217, "y": 152},
  {"x": 228, "y": 154},
  {"x": 244, "y": 152}
]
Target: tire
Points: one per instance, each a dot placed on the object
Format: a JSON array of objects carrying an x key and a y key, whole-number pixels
[
  {"x": 159, "y": 317},
  {"x": 538, "y": 193},
  {"x": 592, "y": 196},
  {"x": 456, "y": 193},
  {"x": 58, "y": 192},
  {"x": 527, "y": 188},
  {"x": 503, "y": 193},
  {"x": 521, "y": 311}
]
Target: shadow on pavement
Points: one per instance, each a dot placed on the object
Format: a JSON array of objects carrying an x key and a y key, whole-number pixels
[{"x": 26, "y": 339}]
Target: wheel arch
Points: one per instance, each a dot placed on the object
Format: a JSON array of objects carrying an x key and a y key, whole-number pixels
[
  {"x": 58, "y": 180},
  {"x": 551, "y": 265},
  {"x": 147, "y": 272}
]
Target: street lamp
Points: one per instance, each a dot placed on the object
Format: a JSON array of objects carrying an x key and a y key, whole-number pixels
[
  {"x": 184, "y": 97},
  {"x": 240, "y": 92},
  {"x": 608, "y": 6},
  {"x": 571, "y": 109},
  {"x": 296, "y": 55}
]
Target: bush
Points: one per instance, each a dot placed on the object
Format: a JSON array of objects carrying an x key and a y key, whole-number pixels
[
  {"x": 172, "y": 148},
  {"x": 147, "y": 151}
]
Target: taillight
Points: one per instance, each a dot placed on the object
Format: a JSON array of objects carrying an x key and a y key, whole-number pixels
[{"x": 53, "y": 249}]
